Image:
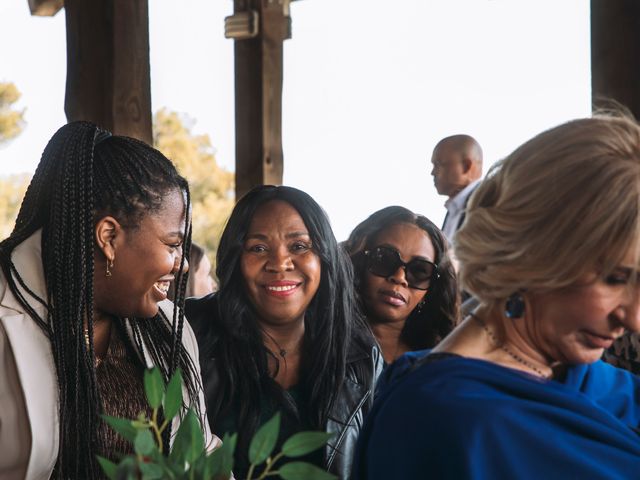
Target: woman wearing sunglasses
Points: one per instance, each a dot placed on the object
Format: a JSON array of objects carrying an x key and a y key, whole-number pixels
[
  {"x": 551, "y": 248},
  {"x": 404, "y": 279}
]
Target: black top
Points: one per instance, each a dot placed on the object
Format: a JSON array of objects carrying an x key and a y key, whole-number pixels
[{"x": 353, "y": 401}]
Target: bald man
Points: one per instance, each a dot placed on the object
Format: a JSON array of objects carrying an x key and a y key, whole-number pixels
[{"x": 457, "y": 168}]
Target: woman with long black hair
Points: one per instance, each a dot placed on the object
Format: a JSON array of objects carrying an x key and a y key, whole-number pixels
[
  {"x": 405, "y": 280},
  {"x": 283, "y": 332},
  {"x": 83, "y": 310}
]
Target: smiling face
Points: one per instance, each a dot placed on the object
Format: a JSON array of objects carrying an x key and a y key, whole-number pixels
[
  {"x": 576, "y": 324},
  {"x": 145, "y": 260},
  {"x": 391, "y": 299},
  {"x": 280, "y": 268}
]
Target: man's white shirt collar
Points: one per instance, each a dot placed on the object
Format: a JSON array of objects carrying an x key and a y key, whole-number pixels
[
  {"x": 455, "y": 208},
  {"x": 456, "y": 203}
]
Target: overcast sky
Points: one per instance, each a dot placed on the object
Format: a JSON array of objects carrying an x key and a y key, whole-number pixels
[{"x": 369, "y": 86}]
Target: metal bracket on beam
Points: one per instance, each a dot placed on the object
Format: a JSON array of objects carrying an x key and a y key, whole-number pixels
[
  {"x": 45, "y": 8},
  {"x": 242, "y": 25}
]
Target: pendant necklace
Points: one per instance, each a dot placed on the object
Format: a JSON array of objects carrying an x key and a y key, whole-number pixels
[{"x": 281, "y": 351}]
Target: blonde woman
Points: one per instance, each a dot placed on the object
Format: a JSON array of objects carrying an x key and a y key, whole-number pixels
[{"x": 551, "y": 248}]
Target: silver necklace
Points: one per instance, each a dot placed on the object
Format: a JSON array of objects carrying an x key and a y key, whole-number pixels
[{"x": 507, "y": 350}]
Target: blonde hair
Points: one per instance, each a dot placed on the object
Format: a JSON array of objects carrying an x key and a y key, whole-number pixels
[{"x": 562, "y": 205}]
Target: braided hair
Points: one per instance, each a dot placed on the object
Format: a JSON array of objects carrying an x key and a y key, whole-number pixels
[{"x": 85, "y": 174}]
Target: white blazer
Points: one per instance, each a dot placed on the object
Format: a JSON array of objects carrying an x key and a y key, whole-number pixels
[{"x": 26, "y": 357}]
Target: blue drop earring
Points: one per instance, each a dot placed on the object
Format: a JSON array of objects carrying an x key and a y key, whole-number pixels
[{"x": 514, "y": 307}]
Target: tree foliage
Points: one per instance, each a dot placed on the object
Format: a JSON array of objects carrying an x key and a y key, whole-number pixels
[
  {"x": 12, "y": 189},
  {"x": 212, "y": 187},
  {"x": 11, "y": 120}
]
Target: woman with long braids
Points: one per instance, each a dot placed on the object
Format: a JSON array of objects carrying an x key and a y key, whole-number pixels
[
  {"x": 83, "y": 311},
  {"x": 404, "y": 279},
  {"x": 283, "y": 332}
]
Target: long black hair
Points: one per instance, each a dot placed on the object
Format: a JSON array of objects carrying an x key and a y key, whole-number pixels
[
  {"x": 431, "y": 322},
  {"x": 331, "y": 321},
  {"x": 86, "y": 173}
]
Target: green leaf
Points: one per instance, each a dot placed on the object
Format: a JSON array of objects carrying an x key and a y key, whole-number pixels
[
  {"x": 304, "y": 442},
  {"x": 228, "y": 457},
  {"x": 154, "y": 387},
  {"x": 173, "y": 398},
  {"x": 167, "y": 472},
  {"x": 264, "y": 440},
  {"x": 108, "y": 467},
  {"x": 121, "y": 426},
  {"x": 144, "y": 443},
  {"x": 150, "y": 471},
  {"x": 303, "y": 471},
  {"x": 178, "y": 471},
  {"x": 220, "y": 461},
  {"x": 138, "y": 425},
  {"x": 200, "y": 468},
  {"x": 189, "y": 442},
  {"x": 127, "y": 469}
]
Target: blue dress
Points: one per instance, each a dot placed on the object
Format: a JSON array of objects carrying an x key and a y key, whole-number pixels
[{"x": 462, "y": 418}]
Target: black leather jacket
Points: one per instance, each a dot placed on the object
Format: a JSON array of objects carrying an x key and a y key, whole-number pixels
[{"x": 352, "y": 404}]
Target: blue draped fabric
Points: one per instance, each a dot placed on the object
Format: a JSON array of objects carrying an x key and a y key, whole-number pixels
[{"x": 460, "y": 418}]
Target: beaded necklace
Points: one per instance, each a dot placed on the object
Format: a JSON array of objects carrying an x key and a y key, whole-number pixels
[
  {"x": 507, "y": 350},
  {"x": 87, "y": 341}
]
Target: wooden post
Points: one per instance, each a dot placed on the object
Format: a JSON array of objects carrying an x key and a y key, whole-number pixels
[
  {"x": 108, "y": 73},
  {"x": 615, "y": 53},
  {"x": 258, "y": 85}
]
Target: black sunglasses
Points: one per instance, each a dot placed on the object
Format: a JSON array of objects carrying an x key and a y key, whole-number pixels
[{"x": 385, "y": 261}]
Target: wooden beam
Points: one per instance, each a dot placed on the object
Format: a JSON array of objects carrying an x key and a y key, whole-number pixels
[
  {"x": 258, "y": 102},
  {"x": 45, "y": 8},
  {"x": 615, "y": 53},
  {"x": 108, "y": 73}
]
